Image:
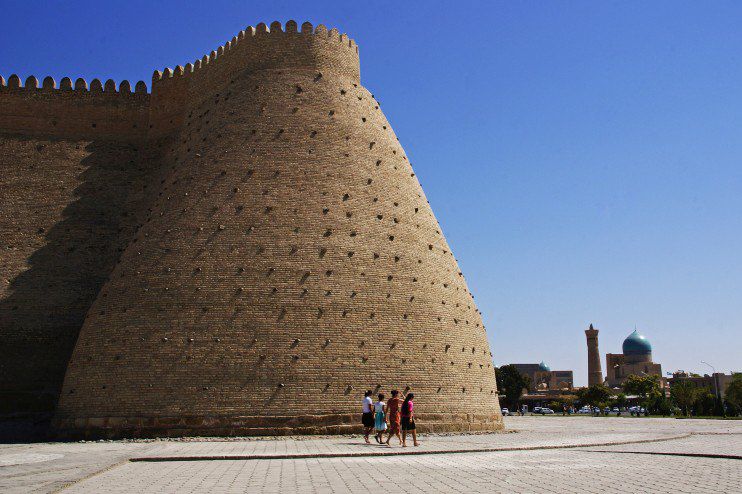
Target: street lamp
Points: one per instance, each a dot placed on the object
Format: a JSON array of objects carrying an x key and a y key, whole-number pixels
[
  {"x": 716, "y": 388},
  {"x": 713, "y": 377}
]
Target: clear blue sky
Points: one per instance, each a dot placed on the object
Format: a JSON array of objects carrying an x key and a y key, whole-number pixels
[{"x": 584, "y": 158}]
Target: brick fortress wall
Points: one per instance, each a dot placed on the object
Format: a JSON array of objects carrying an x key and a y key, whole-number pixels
[
  {"x": 286, "y": 261},
  {"x": 73, "y": 175}
]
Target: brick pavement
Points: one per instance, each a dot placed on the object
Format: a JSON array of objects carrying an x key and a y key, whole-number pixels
[
  {"x": 103, "y": 466},
  {"x": 530, "y": 472}
]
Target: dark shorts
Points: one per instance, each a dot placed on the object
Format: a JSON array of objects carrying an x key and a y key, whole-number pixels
[
  {"x": 367, "y": 419},
  {"x": 407, "y": 424}
]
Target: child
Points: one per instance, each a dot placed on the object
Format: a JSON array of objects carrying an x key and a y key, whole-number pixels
[{"x": 380, "y": 418}]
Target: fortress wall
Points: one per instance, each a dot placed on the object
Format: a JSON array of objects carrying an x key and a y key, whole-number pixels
[
  {"x": 75, "y": 112},
  {"x": 73, "y": 173},
  {"x": 246, "y": 250},
  {"x": 290, "y": 261},
  {"x": 68, "y": 208},
  {"x": 176, "y": 92}
]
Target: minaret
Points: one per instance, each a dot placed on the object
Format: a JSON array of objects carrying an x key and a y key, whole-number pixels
[{"x": 594, "y": 371}]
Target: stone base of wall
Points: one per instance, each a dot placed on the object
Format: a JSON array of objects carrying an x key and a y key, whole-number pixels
[{"x": 152, "y": 427}]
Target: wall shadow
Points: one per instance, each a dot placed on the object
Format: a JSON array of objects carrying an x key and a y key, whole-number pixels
[{"x": 67, "y": 261}]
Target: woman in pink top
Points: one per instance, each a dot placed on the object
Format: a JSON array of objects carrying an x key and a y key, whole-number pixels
[{"x": 408, "y": 420}]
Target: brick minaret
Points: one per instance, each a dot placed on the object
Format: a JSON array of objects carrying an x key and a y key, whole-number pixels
[{"x": 594, "y": 370}]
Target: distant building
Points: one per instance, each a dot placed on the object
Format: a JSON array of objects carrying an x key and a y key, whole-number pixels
[
  {"x": 561, "y": 379},
  {"x": 543, "y": 378},
  {"x": 716, "y": 383},
  {"x": 636, "y": 359}
]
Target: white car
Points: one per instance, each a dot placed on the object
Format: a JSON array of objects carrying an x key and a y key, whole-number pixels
[
  {"x": 546, "y": 411},
  {"x": 505, "y": 411}
]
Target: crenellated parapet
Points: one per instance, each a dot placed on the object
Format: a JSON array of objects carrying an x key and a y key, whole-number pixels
[
  {"x": 275, "y": 47},
  {"x": 80, "y": 85},
  {"x": 260, "y": 48},
  {"x": 73, "y": 109},
  {"x": 105, "y": 109}
]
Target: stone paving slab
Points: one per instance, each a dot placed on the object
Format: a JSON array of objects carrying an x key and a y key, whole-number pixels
[
  {"x": 48, "y": 467},
  {"x": 513, "y": 472},
  {"x": 696, "y": 444}
]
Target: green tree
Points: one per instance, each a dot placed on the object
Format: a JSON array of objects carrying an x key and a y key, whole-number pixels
[
  {"x": 596, "y": 395},
  {"x": 684, "y": 394},
  {"x": 647, "y": 388},
  {"x": 511, "y": 383},
  {"x": 733, "y": 393},
  {"x": 569, "y": 400},
  {"x": 706, "y": 402},
  {"x": 620, "y": 400}
]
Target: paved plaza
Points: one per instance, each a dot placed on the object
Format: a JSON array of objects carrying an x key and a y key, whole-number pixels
[{"x": 535, "y": 454}]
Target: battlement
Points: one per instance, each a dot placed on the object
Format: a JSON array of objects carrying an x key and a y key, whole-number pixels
[
  {"x": 80, "y": 85},
  {"x": 76, "y": 111},
  {"x": 105, "y": 110},
  {"x": 262, "y": 47}
]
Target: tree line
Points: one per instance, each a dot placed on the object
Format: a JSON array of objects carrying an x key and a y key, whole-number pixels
[{"x": 686, "y": 398}]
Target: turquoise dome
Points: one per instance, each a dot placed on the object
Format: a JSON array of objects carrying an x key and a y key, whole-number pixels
[
  {"x": 636, "y": 344},
  {"x": 543, "y": 367}
]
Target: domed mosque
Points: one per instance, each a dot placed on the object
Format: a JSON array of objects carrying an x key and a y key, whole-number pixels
[
  {"x": 637, "y": 348},
  {"x": 636, "y": 359}
]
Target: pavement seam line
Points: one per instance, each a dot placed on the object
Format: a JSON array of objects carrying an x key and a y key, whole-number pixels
[
  {"x": 68, "y": 484},
  {"x": 292, "y": 456},
  {"x": 692, "y": 455}
]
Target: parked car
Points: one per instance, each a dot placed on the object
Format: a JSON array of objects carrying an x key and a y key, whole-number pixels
[
  {"x": 546, "y": 411},
  {"x": 505, "y": 411},
  {"x": 536, "y": 409},
  {"x": 585, "y": 410}
]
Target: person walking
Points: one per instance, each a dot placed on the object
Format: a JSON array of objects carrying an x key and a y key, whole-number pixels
[
  {"x": 367, "y": 419},
  {"x": 393, "y": 408},
  {"x": 408, "y": 420},
  {"x": 380, "y": 412}
]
